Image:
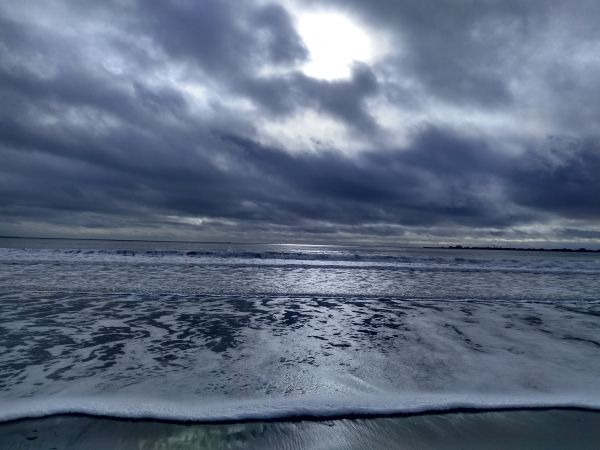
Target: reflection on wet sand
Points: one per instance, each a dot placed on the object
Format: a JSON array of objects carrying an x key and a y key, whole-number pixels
[{"x": 549, "y": 429}]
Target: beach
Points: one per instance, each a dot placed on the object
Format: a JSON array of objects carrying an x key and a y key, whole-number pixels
[
  {"x": 549, "y": 429},
  {"x": 299, "y": 224},
  {"x": 297, "y": 342}
]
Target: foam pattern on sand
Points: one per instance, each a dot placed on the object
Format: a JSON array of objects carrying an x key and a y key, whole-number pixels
[{"x": 223, "y": 357}]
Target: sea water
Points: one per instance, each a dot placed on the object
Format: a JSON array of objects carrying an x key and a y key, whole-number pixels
[{"x": 228, "y": 332}]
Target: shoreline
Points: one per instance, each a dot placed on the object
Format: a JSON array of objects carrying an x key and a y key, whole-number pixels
[
  {"x": 517, "y": 249},
  {"x": 311, "y": 408},
  {"x": 307, "y": 417}
]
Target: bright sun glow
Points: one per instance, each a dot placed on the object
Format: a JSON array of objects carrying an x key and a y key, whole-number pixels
[{"x": 334, "y": 43}]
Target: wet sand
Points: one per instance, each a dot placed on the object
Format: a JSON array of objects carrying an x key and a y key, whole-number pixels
[{"x": 543, "y": 429}]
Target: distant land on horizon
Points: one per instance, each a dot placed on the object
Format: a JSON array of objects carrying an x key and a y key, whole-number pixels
[
  {"x": 414, "y": 245},
  {"x": 520, "y": 249}
]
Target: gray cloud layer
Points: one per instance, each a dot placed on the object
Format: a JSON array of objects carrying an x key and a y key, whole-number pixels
[{"x": 100, "y": 134}]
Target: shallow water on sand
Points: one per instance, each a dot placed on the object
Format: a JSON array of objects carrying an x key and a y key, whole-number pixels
[{"x": 551, "y": 429}]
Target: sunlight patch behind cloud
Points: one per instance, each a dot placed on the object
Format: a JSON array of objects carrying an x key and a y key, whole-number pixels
[{"x": 335, "y": 42}]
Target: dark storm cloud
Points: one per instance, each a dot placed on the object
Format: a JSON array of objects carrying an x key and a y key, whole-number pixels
[
  {"x": 234, "y": 40},
  {"x": 442, "y": 177},
  {"x": 563, "y": 177},
  {"x": 458, "y": 50},
  {"x": 95, "y": 134},
  {"x": 222, "y": 35},
  {"x": 495, "y": 53},
  {"x": 342, "y": 99}
]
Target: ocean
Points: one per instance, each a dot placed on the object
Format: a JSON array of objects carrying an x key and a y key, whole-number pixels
[{"x": 226, "y": 332}]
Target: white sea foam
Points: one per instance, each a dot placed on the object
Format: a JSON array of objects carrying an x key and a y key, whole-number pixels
[
  {"x": 428, "y": 259},
  {"x": 320, "y": 407},
  {"x": 442, "y": 274},
  {"x": 228, "y": 358}
]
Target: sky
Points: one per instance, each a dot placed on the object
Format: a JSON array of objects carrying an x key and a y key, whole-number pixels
[{"x": 325, "y": 121}]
